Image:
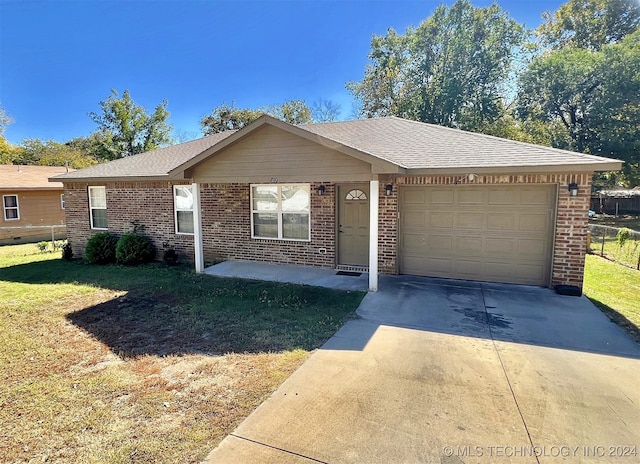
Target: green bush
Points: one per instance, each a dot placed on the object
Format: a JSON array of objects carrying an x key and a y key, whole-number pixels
[
  {"x": 133, "y": 248},
  {"x": 42, "y": 246},
  {"x": 101, "y": 248},
  {"x": 622, "y": 236}
]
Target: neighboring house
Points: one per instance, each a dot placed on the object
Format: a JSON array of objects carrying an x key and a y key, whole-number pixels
[
  {"x": 380, "y": 195},
  {"x": 32, "y": 207},
  {"x": 617, "y": 201}
]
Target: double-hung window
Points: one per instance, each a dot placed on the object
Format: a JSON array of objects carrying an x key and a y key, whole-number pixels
[
  {"x": 10, "y": 207},
  {"x": 62, "y": 201},
  {"x": 183, "y": 208},
  {"x": 281, "y": 211},
  {"x": 98, "y": 207}
]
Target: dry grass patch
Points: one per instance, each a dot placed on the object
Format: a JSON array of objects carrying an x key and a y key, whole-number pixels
[{"x": 152, "y": 364}]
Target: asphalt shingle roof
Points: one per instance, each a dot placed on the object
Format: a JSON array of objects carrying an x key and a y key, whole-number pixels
[
  {"x": 405, "y": 143},
  {"x": 155, "y": 163},
  {"x": 416, "y": 145},
  {"x": 29, "y": 177}
]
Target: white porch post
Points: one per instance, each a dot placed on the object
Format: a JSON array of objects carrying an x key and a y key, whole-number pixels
[
  {"x": 374, "y": 192},
  {"x": 197, "y": 228}
]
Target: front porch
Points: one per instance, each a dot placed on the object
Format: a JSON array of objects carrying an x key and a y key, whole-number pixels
[{"x": 302, "y": 275}]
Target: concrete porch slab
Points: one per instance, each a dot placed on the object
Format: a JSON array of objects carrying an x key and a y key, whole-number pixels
[{"x": 303, "y": 275}]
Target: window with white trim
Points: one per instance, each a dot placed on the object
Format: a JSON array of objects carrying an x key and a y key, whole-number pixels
[
  {"x": 183, "y": 209},
  {"x": 10, "y": 207},
  {"x": 98, "y": 207},
  {"x": 62, "y": 201},
  {"x": 281, "y": 211}
]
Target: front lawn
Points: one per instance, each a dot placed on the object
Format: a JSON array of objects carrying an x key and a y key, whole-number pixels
[
  {"x": 615, "y": 289},
  {"x": 149, "y": 364}
]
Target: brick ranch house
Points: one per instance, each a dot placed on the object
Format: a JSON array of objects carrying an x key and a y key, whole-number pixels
[{"x": 384, "y": 195}]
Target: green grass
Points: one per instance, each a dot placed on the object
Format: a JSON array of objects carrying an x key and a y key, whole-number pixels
[
  {"x": 117, "y": 364},
  {"x": 615, "y": 289}
]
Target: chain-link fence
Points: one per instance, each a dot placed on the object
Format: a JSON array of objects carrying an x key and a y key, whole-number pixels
[{"x": 618, "y": 244}]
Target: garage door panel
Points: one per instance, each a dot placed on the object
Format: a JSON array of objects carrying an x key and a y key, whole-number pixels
[
  {"x": 441, "y": 197},
  {"x": 498, "y": 246},
  {"x": 525, "y": 273},
  {"x": 499, "y": 270},
  {"x": 441, "y": 219},
  {"x": 491, "y": 233},
  {"x": 473, "y": 245},
  {"x": 468, "y": 268},
  {"x": 414, "y": 197},
  {"x": 412, "y": 242},
  {"x": 535, "y": 222},
  {"x": 501, "y": 196},
  {"x": 439, "y": 244},
  {"x": 468, "y": 220},
  {"x": 535, "y": 197},
  {"x": 501, "y": 221},
  {"x": 442, "y": 266},
  {"x": 470, "y": 197},
  {"x": 414, "y": 219},
  {"x": 532, "y": 247}
]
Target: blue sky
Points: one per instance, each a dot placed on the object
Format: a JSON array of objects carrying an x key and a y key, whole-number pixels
[{"x": 58, "y": 59}]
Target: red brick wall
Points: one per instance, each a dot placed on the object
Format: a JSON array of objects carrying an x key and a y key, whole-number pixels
[
  {"x": 149, "y": 203},
  {"x": 388, "y": 230},
  {"x": 226, "y": 224}
]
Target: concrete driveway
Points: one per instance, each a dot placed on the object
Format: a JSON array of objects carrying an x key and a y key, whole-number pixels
[{"x": 439, "y": 371}]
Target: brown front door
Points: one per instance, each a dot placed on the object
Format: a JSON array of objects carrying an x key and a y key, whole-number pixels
[{"x": 353, "y": 224}]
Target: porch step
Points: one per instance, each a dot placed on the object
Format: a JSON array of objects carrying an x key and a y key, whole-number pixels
[{"x": 343, "y": 267}]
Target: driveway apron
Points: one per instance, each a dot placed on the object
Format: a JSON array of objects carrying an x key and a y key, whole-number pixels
[{"x": 439, "y": 371}]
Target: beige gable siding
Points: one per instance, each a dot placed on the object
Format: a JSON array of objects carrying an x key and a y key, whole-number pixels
[{"x": 273, "y": 153}]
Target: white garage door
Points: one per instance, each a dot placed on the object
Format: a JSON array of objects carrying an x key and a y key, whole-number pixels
[{"x": 488, "y": 233}]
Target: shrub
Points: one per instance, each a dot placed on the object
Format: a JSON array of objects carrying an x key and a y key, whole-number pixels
[
  {"x": 42, "y": 246},
  {"x": 622, "y": 236},
  {"x": 67, "y": 251},
  {"x": 101, "y": 248},
  {"x": 133, "y": 248}
]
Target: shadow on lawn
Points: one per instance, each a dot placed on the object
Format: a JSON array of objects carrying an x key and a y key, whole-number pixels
[
  {"x": 624, "y": 323},
  {"x": 173, "y": 311}
]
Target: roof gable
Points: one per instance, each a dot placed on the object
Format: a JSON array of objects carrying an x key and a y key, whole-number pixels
[
  {"x": 381, "y": 164},
  {"x": 271, "y": 152}
]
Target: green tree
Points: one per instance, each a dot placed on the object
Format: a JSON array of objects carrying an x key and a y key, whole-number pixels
[
  {"x": 128, "y": 129},
  {"x": 293, "y": 112},
  {"x": 227, "y": 117},
  {"x": 591, "y": 99},
  {"x": 9, "y": 154},
  {"x": 5, "y": 120},
  {"x": 452, "y": 70},
  {"x": 95, "y": 145},
  {"x": 51, "y": 153},
  {"x": 589, "y": 24}
]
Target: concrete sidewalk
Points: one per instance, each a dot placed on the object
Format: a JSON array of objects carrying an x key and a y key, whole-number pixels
[
  {"x": 440, "y": 371},
  {"x": 303, "y": 275}
]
